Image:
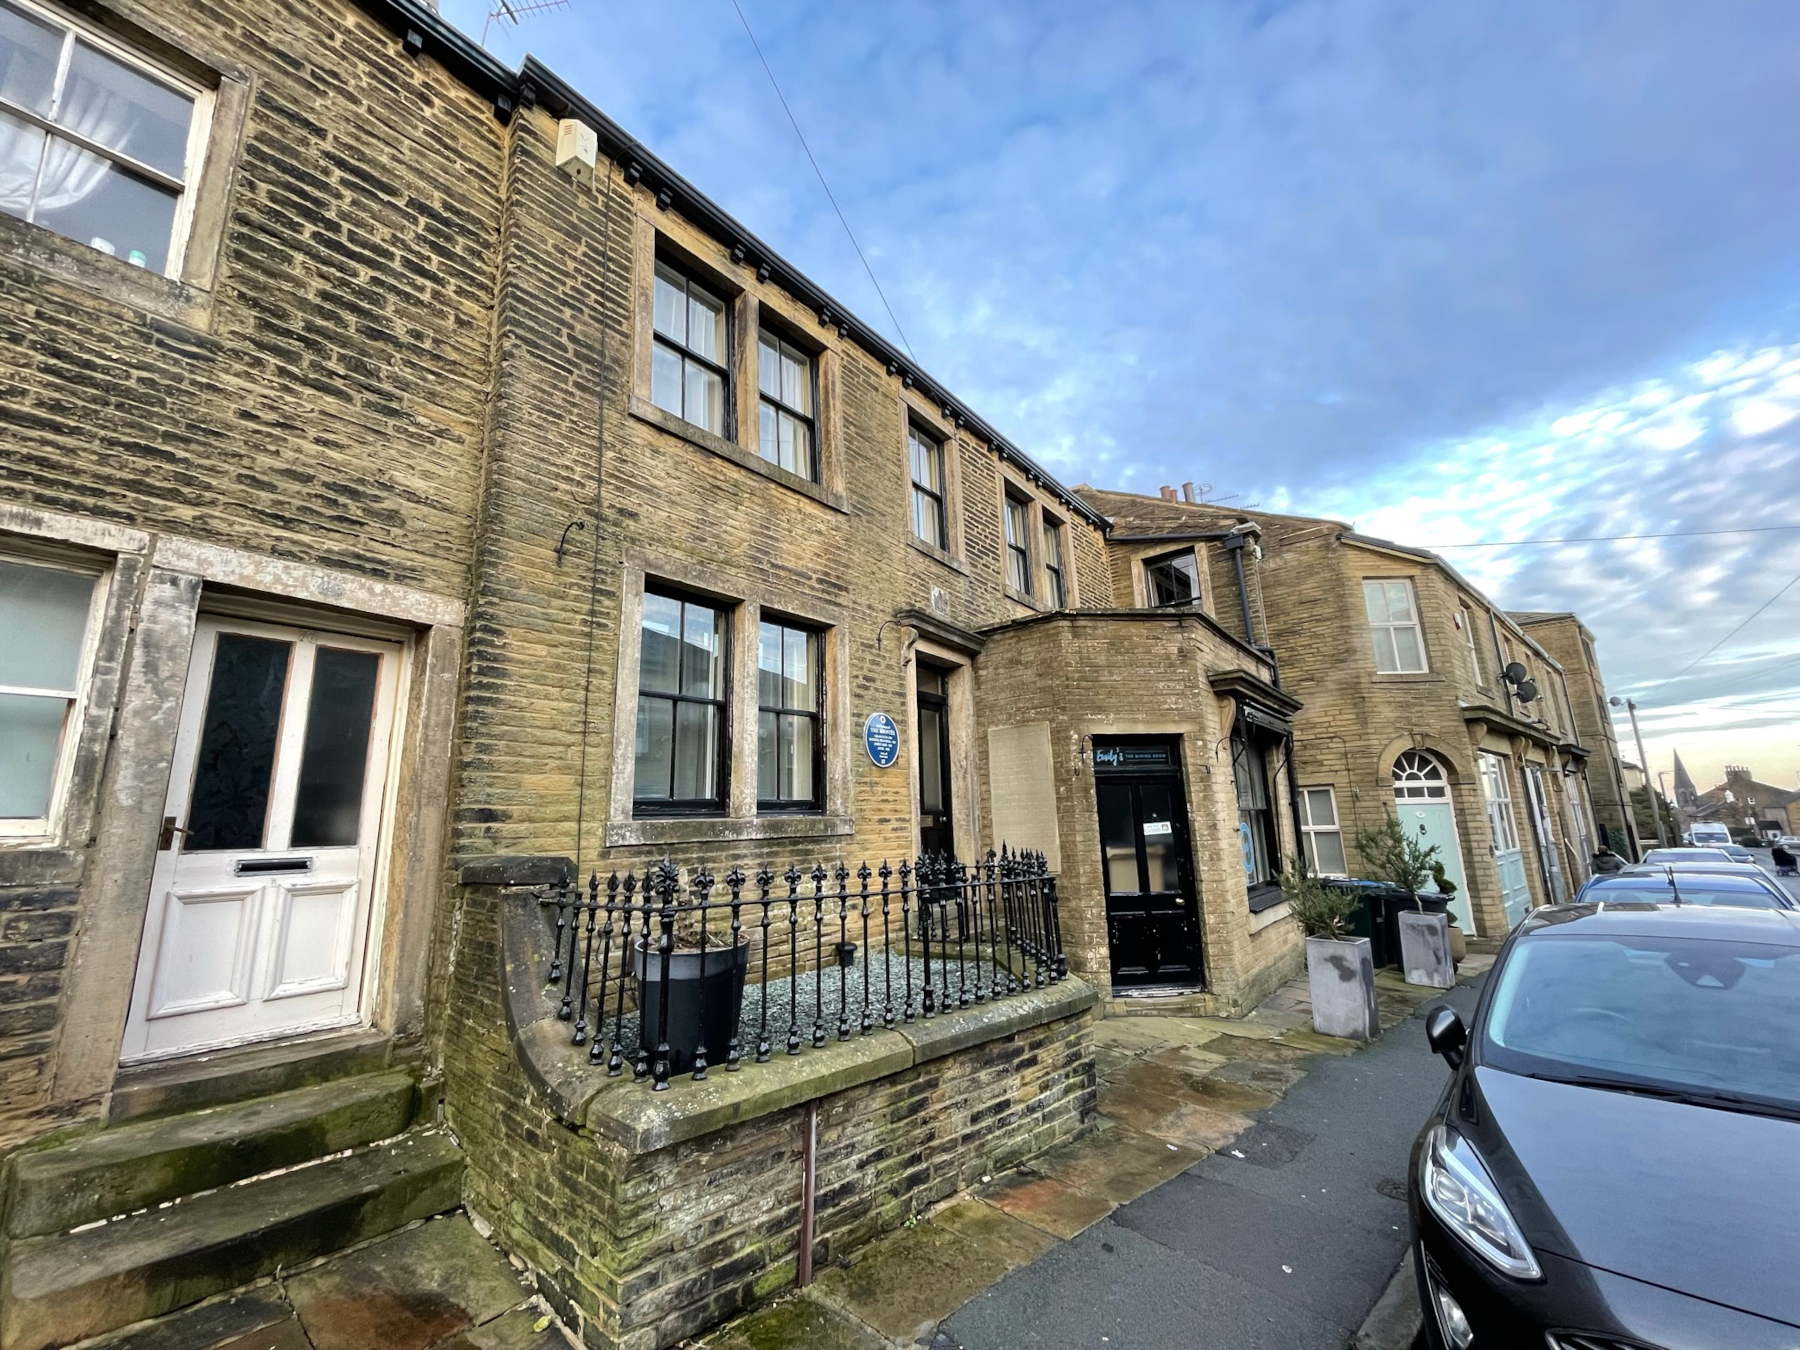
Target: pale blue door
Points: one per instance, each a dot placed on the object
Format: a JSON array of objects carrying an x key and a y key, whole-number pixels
[
  {"x": 1434, "y": 823},
  {"x": 1515, "y": 893}
]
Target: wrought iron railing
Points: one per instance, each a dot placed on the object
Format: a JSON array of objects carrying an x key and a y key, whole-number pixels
[{"x": 827, "y": 953}]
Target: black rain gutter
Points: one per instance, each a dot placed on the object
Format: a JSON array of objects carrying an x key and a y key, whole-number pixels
[
  {"x": 424, "y": 32},
  {"x": 1178, "y": 537}
]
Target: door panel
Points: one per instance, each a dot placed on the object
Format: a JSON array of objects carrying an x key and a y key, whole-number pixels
[
  {"x": 1435, "y": 823},
  {"x": 203, "y": 961},
  {"x": 313, "y": 938},
  {"x": 1515, "y": 893},
  {"x": 1152, "y": 916},
  {"x": 260, "y": 897}
]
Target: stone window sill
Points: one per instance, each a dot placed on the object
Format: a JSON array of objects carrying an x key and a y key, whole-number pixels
[
  {"x": 950, "y": 560},
  {"x": 1409, "y": 677},
  {"x": 74, "y": 263},
  {"x": 1261, "y": 919},
  {"x": 1265, "y": 897},
  {"x": 708, "y": 829},
  {"x": 1031, "y": 602},
  {"x": 646, "y": 411}
]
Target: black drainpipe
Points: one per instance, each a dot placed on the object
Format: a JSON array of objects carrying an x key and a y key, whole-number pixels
[{"x": 1234, "y": 545}]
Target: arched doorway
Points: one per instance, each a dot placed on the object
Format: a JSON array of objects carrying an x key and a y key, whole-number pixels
[{"x": 1422, "y": 802}]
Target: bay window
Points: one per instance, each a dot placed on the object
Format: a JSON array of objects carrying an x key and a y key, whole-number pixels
[{"x": 1393, "y": 616}]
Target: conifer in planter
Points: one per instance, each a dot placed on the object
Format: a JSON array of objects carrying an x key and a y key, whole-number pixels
[
  {"x": 705, "y": 992},
  {"x": 1340, "y": 969}
]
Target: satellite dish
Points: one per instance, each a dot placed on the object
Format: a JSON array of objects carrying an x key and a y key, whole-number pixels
[
  {"x": 1527, "y": 690},
  {"x": 1514, "y": 672}
]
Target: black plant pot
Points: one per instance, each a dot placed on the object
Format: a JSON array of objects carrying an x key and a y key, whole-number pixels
[{"x": 702, "y": 1002}]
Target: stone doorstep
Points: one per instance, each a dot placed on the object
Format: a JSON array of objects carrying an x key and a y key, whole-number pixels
[
  {"x": 215, "y": 1079},
  {"x": 121, "y": 1170},
  {"x": 643, "y": 1121},
  {"x": 435, "y": 1285},
  {"x": 65, "y": 1287}
]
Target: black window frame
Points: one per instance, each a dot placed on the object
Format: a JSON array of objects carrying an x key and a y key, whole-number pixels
[
  {"x": 815, "y": 468},
  {"x": 1154, "y": 565},
  {"x": 1018, "y": 551},
  {"x": 1056, "y": 581},
  {"x": 726, "y": 427},
  {"x": 1248, "y": 738},
  {"x": 939, "y": 497},
  {"x": 816, "y": 803},
  {"x": 719, "y": 803}
]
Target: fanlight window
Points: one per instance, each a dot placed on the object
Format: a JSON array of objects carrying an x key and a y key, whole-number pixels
[{"x": 1418, "y": 777}]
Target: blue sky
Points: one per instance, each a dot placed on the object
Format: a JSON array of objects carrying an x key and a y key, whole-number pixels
[{"x": 1455, "y": 272}]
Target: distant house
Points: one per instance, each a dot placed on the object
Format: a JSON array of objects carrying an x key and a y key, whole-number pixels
[{"x": 1743, "y": 802}]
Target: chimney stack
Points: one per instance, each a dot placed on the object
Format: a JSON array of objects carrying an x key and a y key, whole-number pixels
[
  {"x": 1168, "y": 493},
  {"x": 1187, "y": 492}
]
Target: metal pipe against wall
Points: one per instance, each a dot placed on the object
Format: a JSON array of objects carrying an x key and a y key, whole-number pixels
[
  {"x": 809, "y": 1182},
  {"x": 1234, "y": 545}
]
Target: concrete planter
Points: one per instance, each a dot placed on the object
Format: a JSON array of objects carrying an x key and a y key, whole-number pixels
[
  {"x": 1342, "y": 979},
  {"x": 1425, "y": 950}
]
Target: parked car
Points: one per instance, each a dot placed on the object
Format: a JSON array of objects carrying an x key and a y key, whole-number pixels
[
  {"x": 1615, "y": 1158},
  {"x": 1721, "y": 884},
  {"x": 1789, "y": 841},
  {"x": 1676, "y": 855},
  {"x": 1737, "y": 853}
]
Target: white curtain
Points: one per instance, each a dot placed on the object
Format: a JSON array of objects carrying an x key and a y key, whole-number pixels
[{"x": 70, "y": 173}]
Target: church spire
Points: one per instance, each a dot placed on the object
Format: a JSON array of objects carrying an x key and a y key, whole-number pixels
[{"x": 1685, "y": 791}]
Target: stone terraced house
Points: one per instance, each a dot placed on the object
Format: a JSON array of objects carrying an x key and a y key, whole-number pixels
[
  {"x": 1567, "y": 639},
  {"x": 417, "y": 500},
  {"x": 1413, "y": 690}
]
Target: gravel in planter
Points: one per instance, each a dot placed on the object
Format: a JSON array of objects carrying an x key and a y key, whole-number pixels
[{"x": 837, "y": 983}]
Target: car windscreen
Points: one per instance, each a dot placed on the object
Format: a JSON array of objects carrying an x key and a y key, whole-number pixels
[
  {"x": 1691, "y": 888},
  {"x": 1698, "y": 1018}
]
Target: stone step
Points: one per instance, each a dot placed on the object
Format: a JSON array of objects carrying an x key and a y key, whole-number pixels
[
  {"x": 116, "y": 1171},
  {"x": 63, "y": 1288},
  {"x": 225, "y": 1076}
]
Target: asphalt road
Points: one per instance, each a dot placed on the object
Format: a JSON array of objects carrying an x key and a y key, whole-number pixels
[{"x": 1285, "y": 1247}]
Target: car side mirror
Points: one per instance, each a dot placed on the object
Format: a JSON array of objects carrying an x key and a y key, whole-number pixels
[{"x": 1446, "y": 1034}]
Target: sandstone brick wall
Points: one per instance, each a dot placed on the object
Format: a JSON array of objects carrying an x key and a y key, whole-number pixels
[
  {"x": 321, "y": 402},
  {"x": 1564, "y": 637},
  {"x": 1306, "y": 594},
  {"x": 643, "y": 1250},
  {"x": 1142, "y": 673}
]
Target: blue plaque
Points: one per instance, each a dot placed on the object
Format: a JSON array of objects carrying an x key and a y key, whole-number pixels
[{"x": 881, "y": 738}]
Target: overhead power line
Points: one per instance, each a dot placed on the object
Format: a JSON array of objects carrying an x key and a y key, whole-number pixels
[
  {"x": 1740, "y": 628},
  {"x": 794, "y": 122},
  {"x": 1613, "y": 538}
]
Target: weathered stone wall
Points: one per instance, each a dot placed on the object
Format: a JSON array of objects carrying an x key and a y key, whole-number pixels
[
  {"x": 318, "y": 400},
  {"x": 1306, "y": 592},
  {"x": 644, "y": 1249},
  {"x": 1143, "y": 673}
]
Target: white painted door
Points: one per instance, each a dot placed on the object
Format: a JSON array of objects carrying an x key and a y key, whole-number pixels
[
  {"x": 1422, "y": 802},
  {"x": 1509, "y": 858},
  {"x": 258, "y": 919}
]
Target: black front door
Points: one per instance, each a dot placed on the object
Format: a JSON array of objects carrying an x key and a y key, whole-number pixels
[
  {"x": 935, "y": 832},
  {"x": 1152, "y": 916}
]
